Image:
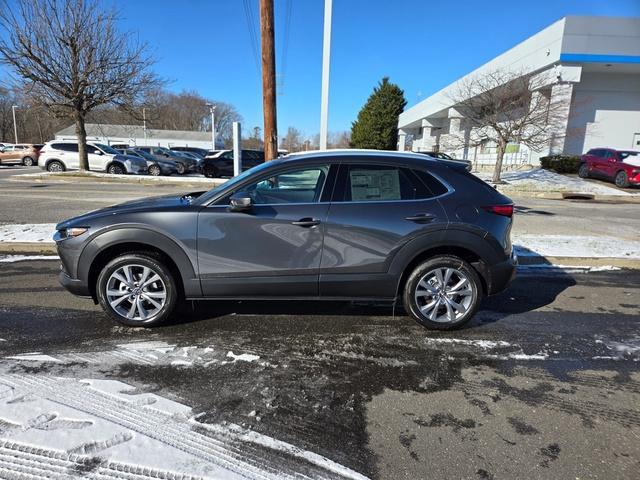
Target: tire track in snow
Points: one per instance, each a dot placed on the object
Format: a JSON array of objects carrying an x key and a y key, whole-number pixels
[{"x": 224, "y": 447}]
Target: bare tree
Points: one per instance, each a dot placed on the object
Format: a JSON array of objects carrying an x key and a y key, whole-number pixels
[
  {"x": 254, "y": 141},
  {"x": 292, "y": 141},
  {"x": 504, "y": 106},
  {"x": 7, "y": 99},
  {"x": 340, "y": 139},
  {"x": 72, "y": 58}
]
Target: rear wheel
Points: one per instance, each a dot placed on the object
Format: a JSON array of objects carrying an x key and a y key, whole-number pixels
[
  {"x": 155, "y": 170},
  {"x": 55, "y": 166},
  {"x": 583, "y": 171},
  {"x": 622, "y": 179},
  {"x": 181, "y": 168},
  {"x": 443, "y": 293},
  {"x": 136, "y": 289},
  {"x": 116, "y": 169},
  {"x": 28, "y": 161}
]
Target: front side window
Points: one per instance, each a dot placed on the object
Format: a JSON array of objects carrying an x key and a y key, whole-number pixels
[
  {"x": 381, "y": 183},
  {"x": 303, "y": 185}
]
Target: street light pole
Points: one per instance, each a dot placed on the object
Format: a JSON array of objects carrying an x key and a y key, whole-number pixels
[
  {"x": 15, "y": 125},
  {"x": 326, "y": 56},
  {"x": 144, "y": 124},
  {"x": 212, "y": 109}
]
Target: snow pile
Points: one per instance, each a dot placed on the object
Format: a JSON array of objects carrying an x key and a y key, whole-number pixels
[
  {"x": 531, "y": 245},
  {"x": 493, "y": 349},
  {"x": 63, "y": 427},
  {"x": 540, "y": 180},
  {"x": 27, "y": 233}
]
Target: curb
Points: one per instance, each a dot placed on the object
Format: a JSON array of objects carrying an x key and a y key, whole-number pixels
[
  {"x": 630, "y": 199},
  {"x": 30, "y": 248},
  {"x": 631, "y": 263}
]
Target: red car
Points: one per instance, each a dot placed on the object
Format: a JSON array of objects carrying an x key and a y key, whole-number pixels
[{"x": 620, "y": 166}]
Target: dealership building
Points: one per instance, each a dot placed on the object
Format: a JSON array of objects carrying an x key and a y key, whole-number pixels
[
  {"x": 591, "y": 64},
  {"x": 137, "y": 135}
]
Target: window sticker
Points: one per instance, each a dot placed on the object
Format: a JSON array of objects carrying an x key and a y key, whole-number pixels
[{"x": 374, "y": 185}]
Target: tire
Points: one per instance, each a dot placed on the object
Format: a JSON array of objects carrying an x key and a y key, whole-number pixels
[
  {"x": 28, "y": 161},
  {"x": 443, "y": 314},
  {"x": 155, "y": 170},
  {"x": 125, "y": 298},
  {"x": 55, "y": 166},
  {"x": 116, "y": 169},
  {"x": 181, "y": 168},
  {"x": 583, "y": 171},
  {"x": 210, "y": 172},
  {"x": 622, "y": 179}
]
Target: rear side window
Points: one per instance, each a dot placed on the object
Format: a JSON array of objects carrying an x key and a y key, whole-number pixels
[
  {"x": 380, "y": 183},
  {"x": 66, "y": 147}
]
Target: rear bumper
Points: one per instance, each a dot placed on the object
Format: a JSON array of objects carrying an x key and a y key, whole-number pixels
[{"x": 502, "y": 274}]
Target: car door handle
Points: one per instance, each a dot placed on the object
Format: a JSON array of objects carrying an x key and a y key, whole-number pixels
[
  {"x": 306, "y": 222},
  {"x": 421, "y": 218}
]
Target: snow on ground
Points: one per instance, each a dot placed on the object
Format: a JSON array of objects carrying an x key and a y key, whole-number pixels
[
  {"x": 188, "y": 178},
  {"x": 24, "y": 258},
  {"x": 540, "y": 180},
  {"x": 630, "y": 349},
  {"x": 527, "y": 245},
  {"x": 67, "y": 428},
  {"x": 27, "y": 233}
]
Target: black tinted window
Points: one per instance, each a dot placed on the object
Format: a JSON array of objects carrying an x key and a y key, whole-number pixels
[
  {"x": 434, "y": 185},
  {"x": 379, "y": 183},
  {"x": 66, "y": 147}
]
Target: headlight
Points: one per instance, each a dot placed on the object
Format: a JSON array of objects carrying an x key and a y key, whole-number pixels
[{"x": 72, "y": 232}]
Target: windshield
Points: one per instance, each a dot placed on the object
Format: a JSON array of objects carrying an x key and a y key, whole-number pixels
[
  {"x": 106, "y": 149},
  {"x": 234, "y": 181},
  {"x": 143, "y": 154}
]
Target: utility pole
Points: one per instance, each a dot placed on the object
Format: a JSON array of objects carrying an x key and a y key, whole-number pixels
[
  {"x": 212, "y": 110},
  {"x": 326, "y": 56},
  {"x": 268, "y": 80},
  {"x": 15, "y": 125}
]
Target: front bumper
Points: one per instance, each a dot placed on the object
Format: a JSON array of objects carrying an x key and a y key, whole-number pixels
[
  {"x": 502, "y": 274},
  {"x": 73, "y": 285}
]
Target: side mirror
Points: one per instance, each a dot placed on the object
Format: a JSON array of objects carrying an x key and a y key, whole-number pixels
[{"x": 240, "y": 202}]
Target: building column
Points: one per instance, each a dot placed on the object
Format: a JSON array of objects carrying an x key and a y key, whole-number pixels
[
  {"x": 402, "y": 140},
  {"x": 560, "y": 105}
]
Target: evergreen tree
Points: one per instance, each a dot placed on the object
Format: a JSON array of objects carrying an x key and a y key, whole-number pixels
[{"x": 377, "y": 123}]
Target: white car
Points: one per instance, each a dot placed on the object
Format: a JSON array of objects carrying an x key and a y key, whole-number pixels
[{"x": 58, "y": 156}]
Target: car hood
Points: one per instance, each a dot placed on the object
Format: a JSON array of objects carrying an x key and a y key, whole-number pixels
[{"x": 140, "y": 205}]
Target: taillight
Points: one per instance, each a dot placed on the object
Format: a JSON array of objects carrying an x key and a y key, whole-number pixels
[{"x": 504, "y": 210}]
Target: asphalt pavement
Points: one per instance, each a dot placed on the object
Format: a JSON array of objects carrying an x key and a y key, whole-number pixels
[{"x": 544, "y": 383}]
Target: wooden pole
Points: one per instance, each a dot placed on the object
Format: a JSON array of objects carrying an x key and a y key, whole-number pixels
[{"x": 268, "y": 80}]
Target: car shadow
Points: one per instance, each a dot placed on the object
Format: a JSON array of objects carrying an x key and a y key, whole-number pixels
[{"x": 529, "y": 291}]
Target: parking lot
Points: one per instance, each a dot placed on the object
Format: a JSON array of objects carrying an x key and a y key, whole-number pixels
[{"x": 542, "y": 378}]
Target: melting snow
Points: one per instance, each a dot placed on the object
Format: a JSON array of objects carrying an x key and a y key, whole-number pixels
[
  {"x": 245, "y": 357},
  {"x": 527, "y": 245},
  {"x": 28, "y": 233},
  {"x": 22, "y": 258}
]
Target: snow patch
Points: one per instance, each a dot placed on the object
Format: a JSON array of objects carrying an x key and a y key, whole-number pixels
[
  {"x": 244, "y": 357},
  {"x": 35, "y": 357},
  {"x": 540, "y": 180},
  {"x": 27, "y": 233},
  {"x": 533, "y": 245},
  {"x": 484, "y": 344},
  {"x": 24, "y": 258}
]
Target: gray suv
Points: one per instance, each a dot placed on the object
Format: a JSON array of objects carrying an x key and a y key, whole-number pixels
[{"x": 365, "y": 225}]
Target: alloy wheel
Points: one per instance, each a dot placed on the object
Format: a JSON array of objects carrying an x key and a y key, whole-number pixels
[
  {"x": 136, "y": 292},
  {"x": 444, "y": 295}
]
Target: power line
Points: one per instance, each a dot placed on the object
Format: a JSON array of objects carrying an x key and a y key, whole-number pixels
[{"x": 253, "y": 35}]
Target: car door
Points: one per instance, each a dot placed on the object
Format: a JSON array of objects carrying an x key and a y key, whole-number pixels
[
  {"x": 68, "y": 153},
  {"x": 599, "y": 162},
  {"x": 376, "y": 209},
  {"x": 96, "y": 158},
  {"x": 274, "y": 248}
]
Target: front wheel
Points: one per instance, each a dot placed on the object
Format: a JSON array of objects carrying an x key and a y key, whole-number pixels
[
  {"x": 181, "y": 168},
  {"x": 443, "y": 293},
  {"x": 622, "y": 179},
  {"x": 116, "y": 169},
  {"x": 583, "y": 171},
  {"x": 136, "y": 289}
]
